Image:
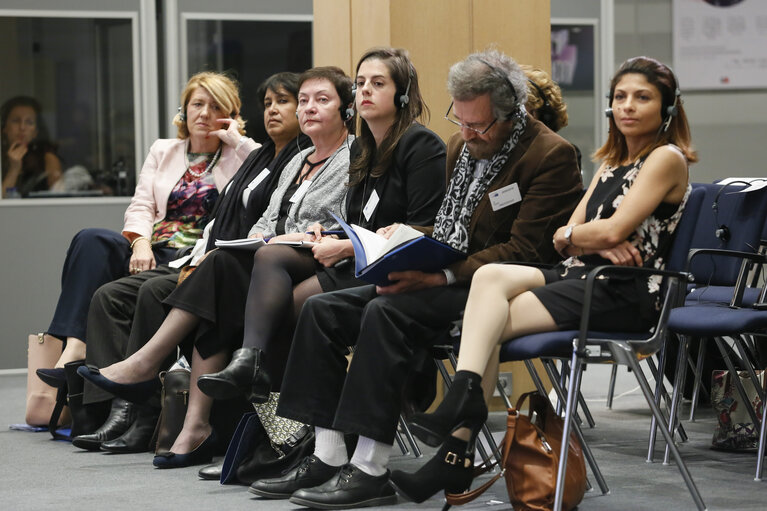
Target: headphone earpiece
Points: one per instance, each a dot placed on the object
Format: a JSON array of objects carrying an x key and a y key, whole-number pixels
[
  {"x": 609, "y": 113},
  {"x": 546, "y": 113},
  {"x": 672, "y": 111},
  {"x": 404, "y": 99},
  {"x": 349, "y": 112},
  {"x": 723, "y": 233},
  {"x": 181, "y": 114}
]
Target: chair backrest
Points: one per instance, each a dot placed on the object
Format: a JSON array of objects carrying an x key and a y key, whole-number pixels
[
  {"x": 728, "y": 220},
  {"x": 685, "y": 230}
]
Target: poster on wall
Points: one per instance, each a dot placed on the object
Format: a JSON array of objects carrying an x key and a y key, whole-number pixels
[
  {"x": 720, "y": 44},
  {"x": 572, "y": 56}
]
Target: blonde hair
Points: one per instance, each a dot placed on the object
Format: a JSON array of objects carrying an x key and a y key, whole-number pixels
[
  {"x": 225, "y": 92},
  {"x": 541, "y": 83}
]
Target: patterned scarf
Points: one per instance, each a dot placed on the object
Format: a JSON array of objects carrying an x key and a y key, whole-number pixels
[{"x": 452, "y": 223}]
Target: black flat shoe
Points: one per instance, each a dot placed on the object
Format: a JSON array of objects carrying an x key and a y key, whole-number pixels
[
  {"x": 349, "y": 488},
  {"x": 202, "y": 454},
  {"x": 451, "y": 469},
  {"x": 134, "y": 392},
  {"x": 244, "y": 376},
  {"x": 138, "y": 437},
  {"x": 55, "y": 377},
  {"x": 463, "y": 406},
  {"x": 211, "y": 472},
  {"x": 121, "y": 416},
  {"x": 310, "y": 472}
]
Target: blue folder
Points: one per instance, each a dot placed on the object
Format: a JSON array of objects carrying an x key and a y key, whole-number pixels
[{"x": 422, "y": 254}]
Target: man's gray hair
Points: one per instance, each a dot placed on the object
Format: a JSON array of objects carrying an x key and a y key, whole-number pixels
[{"x": 489, "y": 71}]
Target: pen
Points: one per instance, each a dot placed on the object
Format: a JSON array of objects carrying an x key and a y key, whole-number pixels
[{"x": 327, "y": 233}]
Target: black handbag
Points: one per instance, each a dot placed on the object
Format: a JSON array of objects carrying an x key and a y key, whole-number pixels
[
  {"x": 174, "y": 399},
  {"x": 269, "y": 460}
]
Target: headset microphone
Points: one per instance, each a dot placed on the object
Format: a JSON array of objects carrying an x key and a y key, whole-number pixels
[
  {"x": 181, "y": 114},
  {"x": 609, "y": 113},
  {"x": 405, "y": 98},
  {"x": 349, "y": 112}
]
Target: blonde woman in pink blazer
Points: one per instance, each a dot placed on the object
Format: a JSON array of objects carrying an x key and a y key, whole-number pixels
[{"x": 177, "y": 188}]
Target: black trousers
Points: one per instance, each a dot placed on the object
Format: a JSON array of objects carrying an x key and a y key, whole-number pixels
[
  {"x": 94, "y": 257},
  {"x": 386, "y": 332},
  {"x": 123, "y": 316}
]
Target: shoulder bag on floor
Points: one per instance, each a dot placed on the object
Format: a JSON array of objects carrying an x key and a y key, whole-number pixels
[{"x": 530, "y": 460}]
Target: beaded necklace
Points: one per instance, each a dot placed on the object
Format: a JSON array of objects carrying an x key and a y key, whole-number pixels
[{"x": 198, "y": 174}]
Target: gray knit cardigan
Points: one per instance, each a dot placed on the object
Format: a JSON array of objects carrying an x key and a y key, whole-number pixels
[{"x": 326, "y": 193}]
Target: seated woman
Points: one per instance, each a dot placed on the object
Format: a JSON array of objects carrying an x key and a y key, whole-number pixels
[
  {"x": 397, "y": 175},
  {"x": 627, "y": 217},
  {"x": 209, "y": 303},
  {"x": 125, "y": 313},
  {"x": 29, "y": 160},
  {"x": 177, "y": 187}
]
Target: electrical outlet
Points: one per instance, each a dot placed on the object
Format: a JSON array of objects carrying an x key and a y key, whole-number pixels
[{"x": 505, "y": 379}]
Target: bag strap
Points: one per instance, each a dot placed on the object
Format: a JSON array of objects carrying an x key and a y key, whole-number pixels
[
  {"x": 459, "y": 499},
  {"x": 53, "y": 423}
]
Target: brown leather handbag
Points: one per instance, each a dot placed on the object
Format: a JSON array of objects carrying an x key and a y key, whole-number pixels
[
  {"x": 530, "y": 460},
  {"x": 175, "y": 399}
]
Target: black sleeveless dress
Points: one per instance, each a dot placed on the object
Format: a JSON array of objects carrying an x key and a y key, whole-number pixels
[{"x": 626, "y": 304}]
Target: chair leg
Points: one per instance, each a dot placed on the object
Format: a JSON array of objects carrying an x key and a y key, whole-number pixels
[
  {"x": 611, "y": 386},
  {"x": 409, "y": 436},
  {"x": 698, "y": 372},
  {"x": 744, "y": 399},
  {"x": 761, "y": 446},
  {"x": 570, "y": 405},
  {"x": 663, "y": 427},
  {"x": 676, "y": 396},
  {"x": 657, "y": 373},
  {"x": 554, "y": 378},
  {"x": 400, "y": 442}
]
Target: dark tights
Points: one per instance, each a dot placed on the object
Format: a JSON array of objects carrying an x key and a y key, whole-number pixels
[{"x": 283, "y": 278}]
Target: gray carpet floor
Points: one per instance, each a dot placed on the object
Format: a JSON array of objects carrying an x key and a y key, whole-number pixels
[{"x": 38, "y": 473}]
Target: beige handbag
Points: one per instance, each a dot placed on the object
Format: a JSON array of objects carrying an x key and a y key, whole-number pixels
[{"x": 43, "y": 352}]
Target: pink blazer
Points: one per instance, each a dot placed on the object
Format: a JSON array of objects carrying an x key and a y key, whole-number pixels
[{"x": 161, "y": 171}]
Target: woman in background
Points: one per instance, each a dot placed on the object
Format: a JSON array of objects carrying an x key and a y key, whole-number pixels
[{"x": 29, "y": 159}]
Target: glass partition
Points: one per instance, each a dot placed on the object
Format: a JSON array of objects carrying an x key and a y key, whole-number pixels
[{"x": 81, "y": 72}]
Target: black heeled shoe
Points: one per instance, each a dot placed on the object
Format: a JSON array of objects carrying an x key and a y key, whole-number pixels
[
  {"x": 451, "y": 469},
  {"x": 133, "y": 392},
  {"x": 201, "y": 454},
  {"x": 121, "y": 416},
  {"x": 56, "y": 377},
  {"x": 138, "y": 437},
  {"x": 244, "y": 375},
  {"x": 463, "y": 406}
]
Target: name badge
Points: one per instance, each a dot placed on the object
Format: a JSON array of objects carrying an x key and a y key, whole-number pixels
[
  {"x": 505, "y": 196},
  {"x": 301, "y": 191},
  {"x": 370, "y": 207},
  {"x": 257, "y": 180}
]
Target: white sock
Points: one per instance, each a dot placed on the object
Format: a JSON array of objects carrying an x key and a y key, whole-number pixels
[
  {"x": 371, "y": 456},
  {"x": 329, "y": 446}
]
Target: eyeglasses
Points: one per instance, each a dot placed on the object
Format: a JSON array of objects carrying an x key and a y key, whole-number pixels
[{"x": 462, "y": 125}]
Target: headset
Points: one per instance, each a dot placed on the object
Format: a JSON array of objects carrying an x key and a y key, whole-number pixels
[
  {"x": 505, "y": 76},
  {"x": 181, "y": 114},
  {"x": 404, "y": 99},
  {"x": 348, "y": 112},
  {"x": 721, "y": 231},
  {"x": 671, "y": 111},
  {"x": 546, "y": 113}
]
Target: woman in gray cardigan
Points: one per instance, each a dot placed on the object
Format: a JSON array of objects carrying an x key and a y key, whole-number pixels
[{"x": 209, "y": 305}]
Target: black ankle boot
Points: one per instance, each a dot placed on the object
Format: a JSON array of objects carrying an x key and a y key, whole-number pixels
[
  {"x": 121, "y": 416},
  {"x": 85, "y": 418},
  {"x": 463, "y": 406},
  {"x": 451, "y": 469},
  {"x": 138, "y": 437},
  {"x": 244, "y": 375}
]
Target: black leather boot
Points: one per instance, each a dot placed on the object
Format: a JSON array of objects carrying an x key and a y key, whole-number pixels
[
  {"x": 244, "y": 375},
  {"x": 138, "y": 437},
  {"x": 121, "y": 416},
  {"x": 211, "y": 472},
  {"x": 85, "y": 418},
  {"x": 463, "y": 406},
  {"x": 451, "y": 469}
]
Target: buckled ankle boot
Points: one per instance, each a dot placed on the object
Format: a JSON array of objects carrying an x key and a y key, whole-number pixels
[
  {"x": 463, "y": 406},
  {"x": 451, "y": 469},
  {"x": 85, "y": 418},
  {"x": 121, "y": 416}
]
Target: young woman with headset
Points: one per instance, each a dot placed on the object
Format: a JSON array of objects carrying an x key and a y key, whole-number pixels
[
  {"x": 627, "y": 217},
  {"x": 397, "y": 174}
]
